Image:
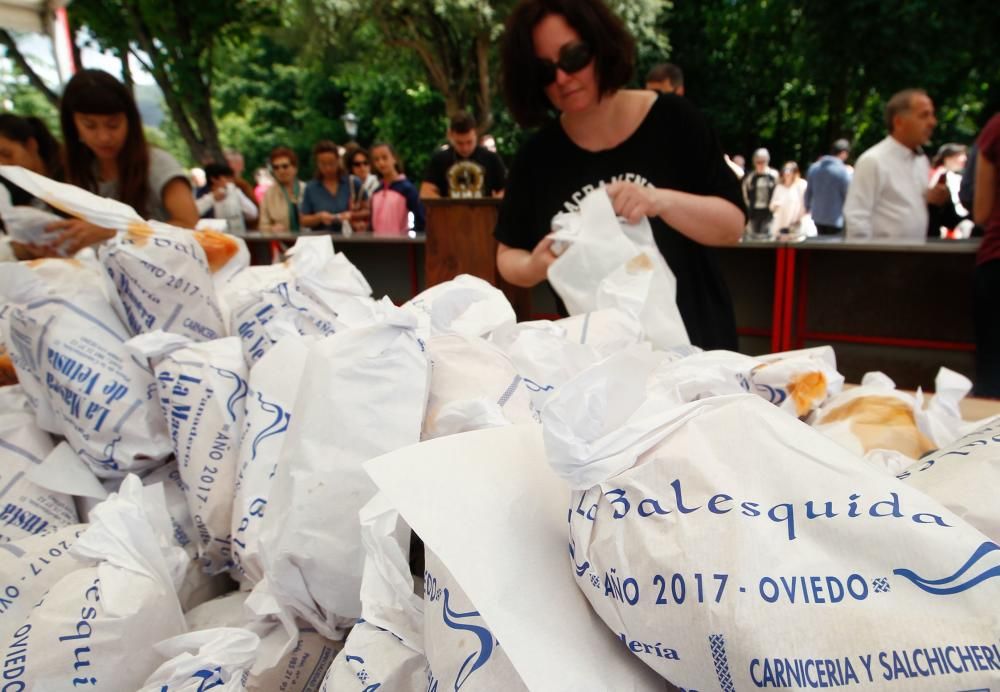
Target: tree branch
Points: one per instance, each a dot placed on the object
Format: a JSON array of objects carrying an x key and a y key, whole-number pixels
[{"x": 14, "y": 54}]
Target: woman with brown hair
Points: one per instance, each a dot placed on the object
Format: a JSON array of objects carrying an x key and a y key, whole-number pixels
[
  {"x": 279, "y": 207},
  {"x": 107, "y": 152},
  {"x": 565, "y": 63},
  {"x": 333, "y": 196}
]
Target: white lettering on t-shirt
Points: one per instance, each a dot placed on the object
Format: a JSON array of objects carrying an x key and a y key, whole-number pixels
[{"x": 573, "y": 203}]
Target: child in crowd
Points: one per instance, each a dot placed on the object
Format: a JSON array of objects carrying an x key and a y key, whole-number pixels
[{"x": 396, "y": 198}]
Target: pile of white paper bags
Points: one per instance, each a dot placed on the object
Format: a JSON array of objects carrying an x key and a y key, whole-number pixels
[{"x": 215, "y": 476}]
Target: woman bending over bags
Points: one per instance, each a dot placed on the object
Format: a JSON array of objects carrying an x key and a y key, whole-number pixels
[
  {"x": 26, "y": 142},
  {"x": 564, "y": 65},
  {"x": 107, "y": 154}
]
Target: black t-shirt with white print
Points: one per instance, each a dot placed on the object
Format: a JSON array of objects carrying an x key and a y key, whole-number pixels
[
  {"x": 479, "y": 175},
  {"x": 673, "y": 147}
]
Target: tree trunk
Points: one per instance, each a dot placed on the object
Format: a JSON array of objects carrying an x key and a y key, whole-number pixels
[
  {"x": 73, "y": 45},
  {"x": 14, "y": 54},
  {"x": 126, "y": 71}
]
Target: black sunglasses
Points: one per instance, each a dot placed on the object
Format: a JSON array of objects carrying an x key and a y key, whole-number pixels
[
  {"x": 573, "y": 57},
  {"x": 359, "y": 162}
]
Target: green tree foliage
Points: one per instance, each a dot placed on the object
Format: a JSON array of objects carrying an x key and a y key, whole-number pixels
[
  {"x": 18, "y": 94},
  {"x": 793, "y": 75},
  {"x": 178, "y": 42}
]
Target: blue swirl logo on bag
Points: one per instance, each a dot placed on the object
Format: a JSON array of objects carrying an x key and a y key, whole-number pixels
[
  {"x": 239, "y": 393},
  {"x": 276, "y": 427},
  {"x": 477, "y": 659},
  {"x": 953, "y": 584}
]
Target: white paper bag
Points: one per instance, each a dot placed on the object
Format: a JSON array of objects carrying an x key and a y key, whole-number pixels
[
  {"x": 364, "y": 395},
  {"x": 963, "y": 477},
  {"x": 29, "y": 567},
  {"x": 494, "y": 486},
  {"x": 461, "y": 650},
  {"x": 289, "y": 658},
  {"x": 97, "y": 625},
  {"x": 608, "y": 264},
  {"x": 315, "y": 292},
  {"x": 164, "y": 280},
  {"x": 68, "y": 347},
  {"x": 75, "y": 201},
  {"x": 547, "y": 354},
  {"x": 385, "y": 648},
  {"x": 729, "y": 545},
  {"x": 26, "y": 508},
  {"x": 465, "y": 305},
  {"x": 214, "y": 659},
  {"x": 273, "y": 386},
  {"x": 203, "y": 390},
  {"x": 473, "y": 385}
]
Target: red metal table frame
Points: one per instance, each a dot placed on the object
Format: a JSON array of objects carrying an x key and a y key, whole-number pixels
[{"x": 788, "y": 325}]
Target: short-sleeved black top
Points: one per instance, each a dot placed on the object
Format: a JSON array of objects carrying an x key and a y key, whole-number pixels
[
  {"x": 480, "y": 175},
  {"x": 675, "y": 148}
]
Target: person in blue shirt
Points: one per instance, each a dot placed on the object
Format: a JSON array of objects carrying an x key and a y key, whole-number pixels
[
  {"x": 828, "y": 180},
  {"x": 333, "y": 195}
]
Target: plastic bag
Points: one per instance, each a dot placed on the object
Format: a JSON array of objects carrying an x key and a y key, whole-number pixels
[{"x": 29, "y": 567}]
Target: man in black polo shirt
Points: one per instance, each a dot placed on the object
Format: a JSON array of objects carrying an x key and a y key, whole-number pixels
[{"x": 463, "y": 169}]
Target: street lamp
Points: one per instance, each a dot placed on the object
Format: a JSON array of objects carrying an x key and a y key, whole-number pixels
[{"x": 350, "y": 124}]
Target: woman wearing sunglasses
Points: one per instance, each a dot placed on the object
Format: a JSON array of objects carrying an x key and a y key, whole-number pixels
[
  {"x": 358, "y": 163},
  {"x": 279, "y": 208},
  {"x": 565, "y": 63}
]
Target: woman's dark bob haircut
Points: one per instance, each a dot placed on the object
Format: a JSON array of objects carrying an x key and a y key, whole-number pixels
[{"x": 599, "y": 27}]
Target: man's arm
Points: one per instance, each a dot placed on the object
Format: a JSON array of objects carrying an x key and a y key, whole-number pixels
[
  {"x": 204, "y": 203},
  {"x": 861, "y": 195},
  {"x": 246, "y": 204}
]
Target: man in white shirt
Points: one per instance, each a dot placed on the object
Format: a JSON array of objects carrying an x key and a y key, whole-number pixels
[
  {"x": 224, "y": 200},
  {"x": 888, "y": 196}
]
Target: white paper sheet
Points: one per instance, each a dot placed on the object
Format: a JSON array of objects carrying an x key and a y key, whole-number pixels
[{"x": 487, "y": 503}]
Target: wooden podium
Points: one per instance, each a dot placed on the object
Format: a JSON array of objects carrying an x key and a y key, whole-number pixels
[{"x": 460, "y": 241}]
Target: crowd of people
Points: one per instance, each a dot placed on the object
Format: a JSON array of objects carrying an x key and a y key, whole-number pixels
[
  {"x": 565, "y": 70},
  {"x": 893, "y": 193},
  {"x": 104, "y": 151}
]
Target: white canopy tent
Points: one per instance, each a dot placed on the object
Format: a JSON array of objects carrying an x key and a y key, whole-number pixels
[
  {"x": 47, "y": 17},
  {"x": 28, "y": 15}
]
